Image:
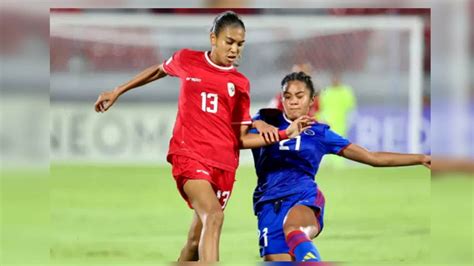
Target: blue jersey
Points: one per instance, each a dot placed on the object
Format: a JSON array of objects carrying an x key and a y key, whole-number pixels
[{"x": 289, "y": 166}]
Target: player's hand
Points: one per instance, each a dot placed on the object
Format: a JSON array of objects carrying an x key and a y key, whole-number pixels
[
  {"x": 299, "y": 125},
  {"x": 268, "y": 132},
  {"x": 426, "y": 161},
  {"x": 105, "y": 101}
]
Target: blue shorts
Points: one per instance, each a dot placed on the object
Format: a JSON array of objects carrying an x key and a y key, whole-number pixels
[{"x": 270, "y": 216}]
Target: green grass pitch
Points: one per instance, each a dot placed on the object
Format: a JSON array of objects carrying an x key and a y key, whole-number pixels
[{"x": 134, "y": 214}]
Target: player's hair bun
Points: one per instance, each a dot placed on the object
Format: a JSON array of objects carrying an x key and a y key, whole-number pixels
[{"x": 225, "y": 19}]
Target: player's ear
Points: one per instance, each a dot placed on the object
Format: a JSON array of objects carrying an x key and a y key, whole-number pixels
[
  {"x": 312, "y": 99},
  {"x": 315, "y": 96},
  {"x": 213, "y": 38}
]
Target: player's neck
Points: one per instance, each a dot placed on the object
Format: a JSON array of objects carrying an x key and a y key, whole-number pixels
[
  {"x": 287, "y": 119},
  {"x": 213, "y": 58}
]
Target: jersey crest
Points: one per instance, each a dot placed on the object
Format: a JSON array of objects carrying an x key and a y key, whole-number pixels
[
  {"x": 309, "y": 132},
  {"x": 231, "y": 89}
]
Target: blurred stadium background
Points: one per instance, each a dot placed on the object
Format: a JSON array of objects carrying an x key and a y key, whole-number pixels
[
  {"x": 383, "y": 55},
  {"x": 111, "y": 196}
]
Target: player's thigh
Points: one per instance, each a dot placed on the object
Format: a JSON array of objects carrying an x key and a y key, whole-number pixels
[
  {"x": 185, "y": 169},
  {"x": 270, "y": 230},
  {"x": 202, "y": 197},
  {"x": 223, "y": 183},
  {"x": 301, "y": 217},
  {"x": 278, "y": 257}
]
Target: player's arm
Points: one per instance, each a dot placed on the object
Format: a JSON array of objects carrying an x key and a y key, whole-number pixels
[
  {"x": 250, "y": 140},
  {"x": 384, "y": 159},
  {"x": 268, "y": 132},
  {"x": 108, "y": 98}
]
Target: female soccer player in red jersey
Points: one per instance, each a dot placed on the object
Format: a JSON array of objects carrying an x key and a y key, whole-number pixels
[{"x": 212, "y": 123}]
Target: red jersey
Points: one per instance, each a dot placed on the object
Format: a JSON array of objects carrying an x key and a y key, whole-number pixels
[{"x": 212, "y": 99}]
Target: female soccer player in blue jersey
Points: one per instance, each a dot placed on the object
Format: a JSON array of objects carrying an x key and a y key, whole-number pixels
[{"x": 287, "y": 201}]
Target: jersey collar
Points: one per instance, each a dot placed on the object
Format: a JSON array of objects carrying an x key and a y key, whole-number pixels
[
  {"x": 286, "y": 118},
  {"x": 214, "y": 65}
]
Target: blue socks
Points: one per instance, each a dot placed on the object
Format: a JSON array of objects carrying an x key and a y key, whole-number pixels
[{"x": 301, "y": 247}]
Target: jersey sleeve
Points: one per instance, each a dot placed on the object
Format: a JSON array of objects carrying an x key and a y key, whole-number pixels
[
  {"x": 333, "y": 142},
  {"x": 269, "y": 116},
  {"x": 241, "y": 114},
  {"x": 173, "y": 66}
]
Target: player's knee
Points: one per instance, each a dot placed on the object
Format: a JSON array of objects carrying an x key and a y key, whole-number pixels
[
  {"x": 311, "y": 231},
  {"x": 288, "y": 228},
  {"x": 214, "y": 219}
]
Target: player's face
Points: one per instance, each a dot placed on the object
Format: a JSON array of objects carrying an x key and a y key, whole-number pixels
[
  {"x": 228, "y": 46},
  {"x": 296, "y": 99}
]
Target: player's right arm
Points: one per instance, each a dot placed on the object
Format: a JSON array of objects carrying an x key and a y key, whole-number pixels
[
  {"x": 335, "y": 144},
  {"x": 108, "y": 98}
]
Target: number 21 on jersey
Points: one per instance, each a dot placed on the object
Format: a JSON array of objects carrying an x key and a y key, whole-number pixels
[
  {"x": 283, "y": 147},
  {"x": 209, "y": 102}
]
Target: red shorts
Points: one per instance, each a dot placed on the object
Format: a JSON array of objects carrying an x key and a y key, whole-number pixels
[{"x": 185, "y": 168}]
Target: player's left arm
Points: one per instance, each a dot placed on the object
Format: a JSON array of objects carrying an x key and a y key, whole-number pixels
[
  {"x": 384, "y": 159},
  {"x": 249, "y": 140}
]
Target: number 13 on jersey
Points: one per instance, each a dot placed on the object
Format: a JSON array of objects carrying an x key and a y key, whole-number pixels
[{"x": 209, "y": 102}]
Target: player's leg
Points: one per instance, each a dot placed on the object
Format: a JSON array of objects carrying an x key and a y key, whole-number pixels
[
  {"x": 300, "y": 226},
  {"x": 278, "y": 257},
  {"x": 270, "y": 217},
  {"x": 190, "y": 249},
  {"x": 204, "y": 201}
]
